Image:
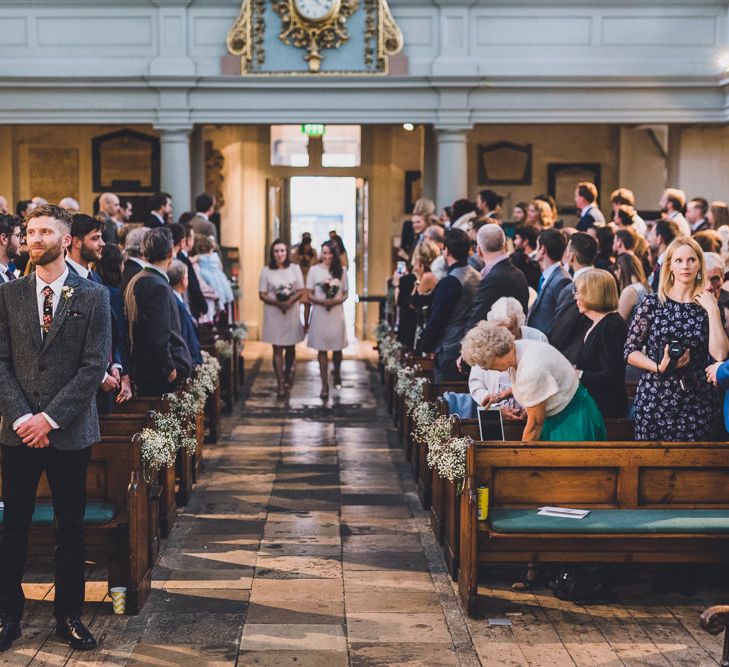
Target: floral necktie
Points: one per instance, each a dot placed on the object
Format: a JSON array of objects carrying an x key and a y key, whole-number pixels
[{"x": 47, "y": 310}]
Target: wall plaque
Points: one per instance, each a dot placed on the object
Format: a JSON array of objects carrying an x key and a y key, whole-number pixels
[
  {"x": 562, "y": 179},
  {"x": 126, "y": 161},
  {"x": 53, "y": 172}
]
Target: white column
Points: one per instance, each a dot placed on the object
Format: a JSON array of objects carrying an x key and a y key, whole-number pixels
[
  {"x": 175, "y": 176},
  {"x": 452, "y": 166},
  {"x": 197, "y": 156}
]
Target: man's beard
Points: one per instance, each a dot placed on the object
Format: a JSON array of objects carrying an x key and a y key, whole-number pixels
[
  {"x": 13, "y": 252},
  {"x": 89, "y": 255},
  {"x": 51, "y": 253}
]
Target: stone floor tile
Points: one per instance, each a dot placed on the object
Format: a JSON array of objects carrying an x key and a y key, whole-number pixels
[
  {"x": 392, "y": 600},
  {"x": 206, "y": 600},
  {"x": 226, "y": 579},
  {"x": 193, "y": 628},
  {"x": 356, "y": 581},
  {"x": 311, "y": 611},
  {"x": 295, "y": 658},
  {"x": 382, "y": 543},
  {"x": 384, "y": 627},
  {"x": 169, "y": 654},
  {"x": 413, "y": 654},
  {"x": 296, "y": 589},
  {"x": 384, "y": 560},
  {"x": 279, "y": 637},
  {"x": 299, "y": 567}
]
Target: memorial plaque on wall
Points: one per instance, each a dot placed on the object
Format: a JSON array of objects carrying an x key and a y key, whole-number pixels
[
  {"x": 53, "y": 172},
  {"x": 126, "y": 161}
]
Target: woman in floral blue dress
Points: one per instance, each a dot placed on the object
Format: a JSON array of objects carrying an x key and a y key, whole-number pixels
[{"x": 674, "y": 401}]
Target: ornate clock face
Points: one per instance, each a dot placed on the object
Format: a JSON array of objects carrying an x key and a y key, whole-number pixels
[{"x": 316, "y": 10}]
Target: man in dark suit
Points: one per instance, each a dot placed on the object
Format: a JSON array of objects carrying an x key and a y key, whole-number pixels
[
  {"x": 569, "y": 326},
  {"x": 160, "y": 358},
  {"x": 499, "y": 276},
  {"x": 160, "y": 210},
  {"x": 134, "y": 261},
  {"x": 178, "y": 275},
  {"x": 55, "y": 339},
  {"x": 551, "y": 245},
  {"x": 663, "y": 234},
  {"x": 184, "y": 239},
  {"x": 9, "y": 245},
  {"x": 525, "y": 247},
  {"x": 586, "y": 202},
  {"x": 108, "y": 212},
  {"x": 696, "y": 212}
]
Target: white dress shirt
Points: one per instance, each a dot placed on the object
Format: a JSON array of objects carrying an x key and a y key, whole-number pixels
[
  {"x": 83, "y": 271},
  {"x": 3, "y": 274}
]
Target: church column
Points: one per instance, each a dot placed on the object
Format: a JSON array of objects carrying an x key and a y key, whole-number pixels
[
  {"x": 197, "y": 154},
  {"x": 175, "y": 158},
  {"x": 452, "y": 173}
]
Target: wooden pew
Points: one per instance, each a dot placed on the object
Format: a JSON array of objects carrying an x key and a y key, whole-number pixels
[
  {"x": 116, "y": 517},
  {"x": 650, "y": 502},
  {"x": 447, "y": 505}
]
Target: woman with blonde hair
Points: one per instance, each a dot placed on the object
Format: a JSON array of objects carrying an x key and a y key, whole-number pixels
[
  {"x": 540, "y": 214},
  {"x": 600, "y": 363},
  {"x": 421, "y": 298},
  {"x": 680, "y": 328}
]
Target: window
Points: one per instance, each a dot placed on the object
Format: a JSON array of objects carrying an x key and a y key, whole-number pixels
[
  {"x": 289, "y": 146},
  {"x": 342, "y": 146}
]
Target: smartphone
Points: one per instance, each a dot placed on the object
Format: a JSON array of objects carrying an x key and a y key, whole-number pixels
[
  {"x": 400, "y": 268},
  {"x": 490, "y": 424}
]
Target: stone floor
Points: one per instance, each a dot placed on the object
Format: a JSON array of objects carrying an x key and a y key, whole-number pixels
[{"x": 305, "y": 545}]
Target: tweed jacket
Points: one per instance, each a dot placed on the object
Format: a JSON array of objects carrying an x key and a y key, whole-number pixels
[{"x": 58, "y": 376}]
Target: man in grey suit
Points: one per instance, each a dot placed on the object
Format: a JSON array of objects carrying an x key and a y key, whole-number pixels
[
  {"x": 551, "y": 245},
  {"x": 204, "y": 208},
  {"x": 55, "y": 344}
]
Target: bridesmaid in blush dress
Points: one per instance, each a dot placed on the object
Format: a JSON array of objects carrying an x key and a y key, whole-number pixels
[
  {"x": 327, "y": 289},
  {"x": 280, "y": 287}
]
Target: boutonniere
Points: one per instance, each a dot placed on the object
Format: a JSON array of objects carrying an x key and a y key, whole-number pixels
[{"x": 67, "y": 292}]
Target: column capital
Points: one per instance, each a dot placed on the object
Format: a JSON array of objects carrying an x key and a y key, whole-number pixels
[
  {"x": 452, "y": 133},
  {"x": 174, "y": 132}
]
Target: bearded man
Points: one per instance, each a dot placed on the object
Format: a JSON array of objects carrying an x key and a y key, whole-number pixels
[
  {"x": 9, "y": 245},
  {"x": 55, "y": 337}
]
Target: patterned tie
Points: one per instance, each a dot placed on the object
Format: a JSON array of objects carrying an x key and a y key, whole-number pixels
[
  {"x": 47, "y": 310},
  {"x": 10, "y": 275}
]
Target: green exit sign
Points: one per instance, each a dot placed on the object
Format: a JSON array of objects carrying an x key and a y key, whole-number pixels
[{"x": 313, "y": 129}]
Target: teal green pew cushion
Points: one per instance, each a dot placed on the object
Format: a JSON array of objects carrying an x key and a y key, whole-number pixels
[
  {"x": 645, "y": 522},
  {"x": 97, "y": 514}
]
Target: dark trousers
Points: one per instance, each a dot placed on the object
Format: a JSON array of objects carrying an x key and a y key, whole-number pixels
[
  {"x": 445, "y": 369},
  {"x": 22, "y": 468}
]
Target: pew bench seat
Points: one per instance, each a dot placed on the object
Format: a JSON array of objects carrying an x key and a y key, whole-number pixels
[
  {"x": 609, "y": 522},
  {"x": 97, "y": 514}
]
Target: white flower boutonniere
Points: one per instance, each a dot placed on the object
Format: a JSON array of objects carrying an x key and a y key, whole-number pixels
[{"x": 67, "y": 292}]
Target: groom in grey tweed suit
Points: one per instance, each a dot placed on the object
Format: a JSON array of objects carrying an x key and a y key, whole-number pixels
[{"x": 55, "y": 343}]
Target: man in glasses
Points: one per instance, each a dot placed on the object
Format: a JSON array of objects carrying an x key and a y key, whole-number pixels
[{"x": 10, "y": 240}]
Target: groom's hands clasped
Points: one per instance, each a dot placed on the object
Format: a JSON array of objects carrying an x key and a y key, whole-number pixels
[{"x": 34, "y": 432}]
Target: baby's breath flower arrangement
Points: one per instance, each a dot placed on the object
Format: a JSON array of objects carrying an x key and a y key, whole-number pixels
[
  {"x": 240, "y": 331},
  {"x": 175, "y": 428},
  {"x": 446, "y": 454},
  {"x": 224, "y": 349}
]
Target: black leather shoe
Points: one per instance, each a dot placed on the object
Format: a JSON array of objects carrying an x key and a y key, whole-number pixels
[
  {"x": 75, "y": 633},
  {"x": 9, "y": 632}
]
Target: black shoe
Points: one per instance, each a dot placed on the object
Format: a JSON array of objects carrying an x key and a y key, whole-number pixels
[
  {"x": 9, "y": 632},
  {"x": 75, "y": 633}
]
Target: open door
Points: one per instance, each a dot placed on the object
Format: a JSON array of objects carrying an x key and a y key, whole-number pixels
[
  {"x": 278, "y": 216},
  {"x": 361, "y": 259}
]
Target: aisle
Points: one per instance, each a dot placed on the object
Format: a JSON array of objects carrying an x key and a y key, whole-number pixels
[{"x": 300, "y": 546}]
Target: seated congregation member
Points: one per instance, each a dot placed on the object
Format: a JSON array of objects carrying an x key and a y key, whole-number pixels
[
  {"x": 523, "y": 257},
  {"x": 452, "y": 302},
  {"x": 680, "y": 328},
  {"x": 160, "y": 358},
  {"x": 55, "y": 339},
  {"x": 280, "y": 288},
  {"x": 551, "y": 244},
  {"x": 421, "y": 299},
  {"x": 499, "y": 277},
  {"x": 109, "y": 270},
  {"x": 178, "y": 276},
  {"x": 487, "y": 387},
  {"x": 327, "y": 288},
  {"x": 600, "y": 362},
  {"x": 133, "y": 260},
  {"x": 558, "y": 407},
  {"x": 569, "y": 326},
  {"x": 586, "y": 203},
  {"x": 632, "y": 284}
]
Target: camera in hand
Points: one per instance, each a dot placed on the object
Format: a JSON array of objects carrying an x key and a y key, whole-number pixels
[{"x": 676, "y": 350}]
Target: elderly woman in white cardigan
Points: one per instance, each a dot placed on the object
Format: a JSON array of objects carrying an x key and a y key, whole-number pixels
[{"x": 489, "y": 387}]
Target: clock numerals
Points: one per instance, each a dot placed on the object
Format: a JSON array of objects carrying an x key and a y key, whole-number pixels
[{"x": 314, "y": 10}]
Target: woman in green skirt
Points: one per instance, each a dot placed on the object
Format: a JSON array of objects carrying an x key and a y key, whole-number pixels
[{"x": 558, "y": 407}]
